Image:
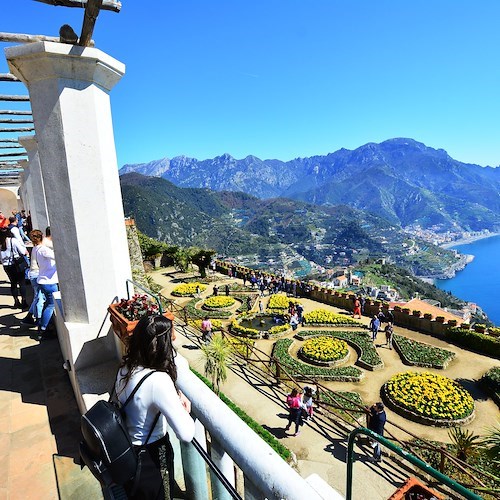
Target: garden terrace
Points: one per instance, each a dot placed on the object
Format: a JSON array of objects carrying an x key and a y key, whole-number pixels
[
  {"x": 416, "y": 353},
  {"x": 368, "y": 357},
  {"x": 298, "y": 369}
]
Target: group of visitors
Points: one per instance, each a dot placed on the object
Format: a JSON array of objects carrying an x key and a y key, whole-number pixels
[
  {"x": 300, "y": 407},
  {"x": 376, "y": 323},
  {"x": 38, "y": 270}
]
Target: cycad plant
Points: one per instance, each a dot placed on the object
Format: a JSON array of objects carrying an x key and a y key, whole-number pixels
[
  {"x": 464, "y": 442},
  {"x": 491, "y": 444},
  {"x": 217, "y": 354}
]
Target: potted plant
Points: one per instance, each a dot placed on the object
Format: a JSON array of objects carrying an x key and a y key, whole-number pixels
[
  {"x": 125, "y": 315},
  {"x": 479, "y": 327},
  {"x": 416, "y": 313},
  {"x": 428, "y": 316},
  {"x": 440, "y": 319}
]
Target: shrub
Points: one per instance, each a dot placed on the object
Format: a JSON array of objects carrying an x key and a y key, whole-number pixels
[
  {"x": 494, "y": 331},
  {"x": 218, "y": 302},
  {"x": 278, "y": 303},
  {"x": 478, "y": 342},
  {"x": 491, "y": 379},
  {"x": 428, "y": 316},
  {"x": 324, "y": 317},
  {"x": 430, "y": 395},
  {"x": 347, "y": 404},
  {"x": 194, "y": 313},
  {"x": 296, "y": 368},
  {"x": 274, "y": 330},
  {"x": 241, "y": 330},
  {"x": 186, "y": 289},
  {"x": 421, "y": 354}
]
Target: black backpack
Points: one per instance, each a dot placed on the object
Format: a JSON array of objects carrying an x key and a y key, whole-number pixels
[{"x": 106, "y": 448}]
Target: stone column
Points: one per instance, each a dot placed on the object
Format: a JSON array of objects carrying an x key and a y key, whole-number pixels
[
  {"x": 34, "y": 185},
  {"x": 69, "y": 91}
]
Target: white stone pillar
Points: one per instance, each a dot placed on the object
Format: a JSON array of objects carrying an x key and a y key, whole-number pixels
[
  {"x": 34, "y": 185},
  {"x": 69, "y": 92}
]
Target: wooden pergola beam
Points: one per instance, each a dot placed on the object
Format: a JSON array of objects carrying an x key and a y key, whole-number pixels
[
  {"x": 23, "y": 38},
  {"x": 14, "y": 112},
  {"x": 92, "y": 9},
  {"x": 16, "y": 98},
  {"x": 8, "y": 77},
  {"x": 113, "y": 5},
  {"x": 14, "y": 120},
  {"x": 7, "y": 155},
  {"x": 27, "y": 129}
]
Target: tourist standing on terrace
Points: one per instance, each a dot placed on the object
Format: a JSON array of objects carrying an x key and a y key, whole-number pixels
[
  {"x": 11, "y": 249},
  {"x": 157, "y": 406},
  {"x": 216, "y": 290},
  {"x": 376, "y": 423},
  {"x": 48, "y": 283},
  {"x": 374, "y": 326},
  {"x": 35, "y": 311}
]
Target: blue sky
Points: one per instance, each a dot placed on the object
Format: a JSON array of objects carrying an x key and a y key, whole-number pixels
[{"x": 292, "y": 78}]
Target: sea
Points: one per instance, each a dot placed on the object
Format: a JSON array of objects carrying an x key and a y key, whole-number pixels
[{"x": 479, "y": 282}]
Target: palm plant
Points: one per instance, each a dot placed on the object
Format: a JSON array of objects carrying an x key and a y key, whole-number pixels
[
  {"x": 464, "y": 442},
  {"x": 217, "y": 354},
  {"x": 491, "y": 444}
]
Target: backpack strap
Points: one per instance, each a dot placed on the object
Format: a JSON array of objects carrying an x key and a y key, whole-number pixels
[{"x": 136, "y": 388}]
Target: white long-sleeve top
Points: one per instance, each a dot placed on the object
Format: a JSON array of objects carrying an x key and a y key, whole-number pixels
[
  {"x": 47, "y": 271},
  {"x": 156, "y": 394}
]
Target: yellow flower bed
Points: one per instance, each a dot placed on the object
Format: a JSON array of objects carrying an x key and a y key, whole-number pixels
[
  {"x": 325, "y": 349},
  {"x": 186, "y": 289},
  {"x": 216, "y": 323},
  {"x": 430, "y": 395},
  {"x": 324, "y": 317},
  {"x": 280, "y": 301},
  {"x": 218, "y": 302}
]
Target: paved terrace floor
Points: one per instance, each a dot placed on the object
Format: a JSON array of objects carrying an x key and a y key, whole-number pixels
[{"x": 39, "y": 417}]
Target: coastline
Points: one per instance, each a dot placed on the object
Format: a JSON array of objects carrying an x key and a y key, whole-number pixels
[{"x": 466, "y": 241}]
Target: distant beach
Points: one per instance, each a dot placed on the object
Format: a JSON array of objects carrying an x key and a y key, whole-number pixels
[{"x": 466, "y": 241}]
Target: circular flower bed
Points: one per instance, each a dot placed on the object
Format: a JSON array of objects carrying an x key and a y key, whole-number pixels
[
  {"x": 429, "y": 398},
  {"x": 218, "y": 302},
  {"x": 186, "y": 289},
  {"x": 325, "y": 351}
]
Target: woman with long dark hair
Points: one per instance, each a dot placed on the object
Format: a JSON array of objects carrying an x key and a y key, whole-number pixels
[
  {"x": 12, "y": 249},
  {"x": 157, "y": 406}
]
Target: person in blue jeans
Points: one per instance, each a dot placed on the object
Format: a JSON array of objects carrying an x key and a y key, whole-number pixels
[
  {"x": 48, "y": 284},
  {"x": 376, "y": 423}
]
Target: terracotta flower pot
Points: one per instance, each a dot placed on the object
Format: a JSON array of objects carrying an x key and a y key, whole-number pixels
[{"x": 122, "y": 326}]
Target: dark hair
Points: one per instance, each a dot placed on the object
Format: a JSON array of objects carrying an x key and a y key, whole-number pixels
[
  {"x": 294, "y": 393},
  {"x": 47, "y": 232},
  {"x": 12, "y": 218},
  {"x": 150, "y": 346},
  {"x": 4, "y": 234}
]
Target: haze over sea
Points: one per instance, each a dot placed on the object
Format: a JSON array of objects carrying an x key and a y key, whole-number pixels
[{"x": 479, "y": 282}]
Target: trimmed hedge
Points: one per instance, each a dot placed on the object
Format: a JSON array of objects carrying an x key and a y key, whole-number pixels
[
  {"x": 281, "y": 450},
  {"x": 420, "y": 354},
  {"x": 201, "y": 313},
  {"x": 329, "y": 318},
  {"x": 478, "y": 342},
  {"x": 369, "y": 358},
  {"x": 491, "y": 380},
  {"x": 333, "y": 397},
  {"x": 298, "y": 368}
]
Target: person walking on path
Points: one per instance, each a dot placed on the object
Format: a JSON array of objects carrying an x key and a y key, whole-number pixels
[
  {"x": 295, "y": 405},
  {"x": 216, "y": 290},
  {"x": 389, "y": 332},
  {"x": 206, "y": 330},
  {"x": 307, "y": 400},
  {"x": 261, "y": 307},
  {"x": 357, "y": 308},
  {"x": 376, "y": 423},
  {"x": 374, "y": 326},
  {"x": 226, "y": 290}
]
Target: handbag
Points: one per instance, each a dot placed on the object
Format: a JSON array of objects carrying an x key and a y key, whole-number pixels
[{"x": 20, "y": 265}]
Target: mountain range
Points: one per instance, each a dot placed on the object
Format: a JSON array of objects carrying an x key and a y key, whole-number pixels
[
  {"x": 280, "y": 230},
  {"x": 401, "y": 180}
]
